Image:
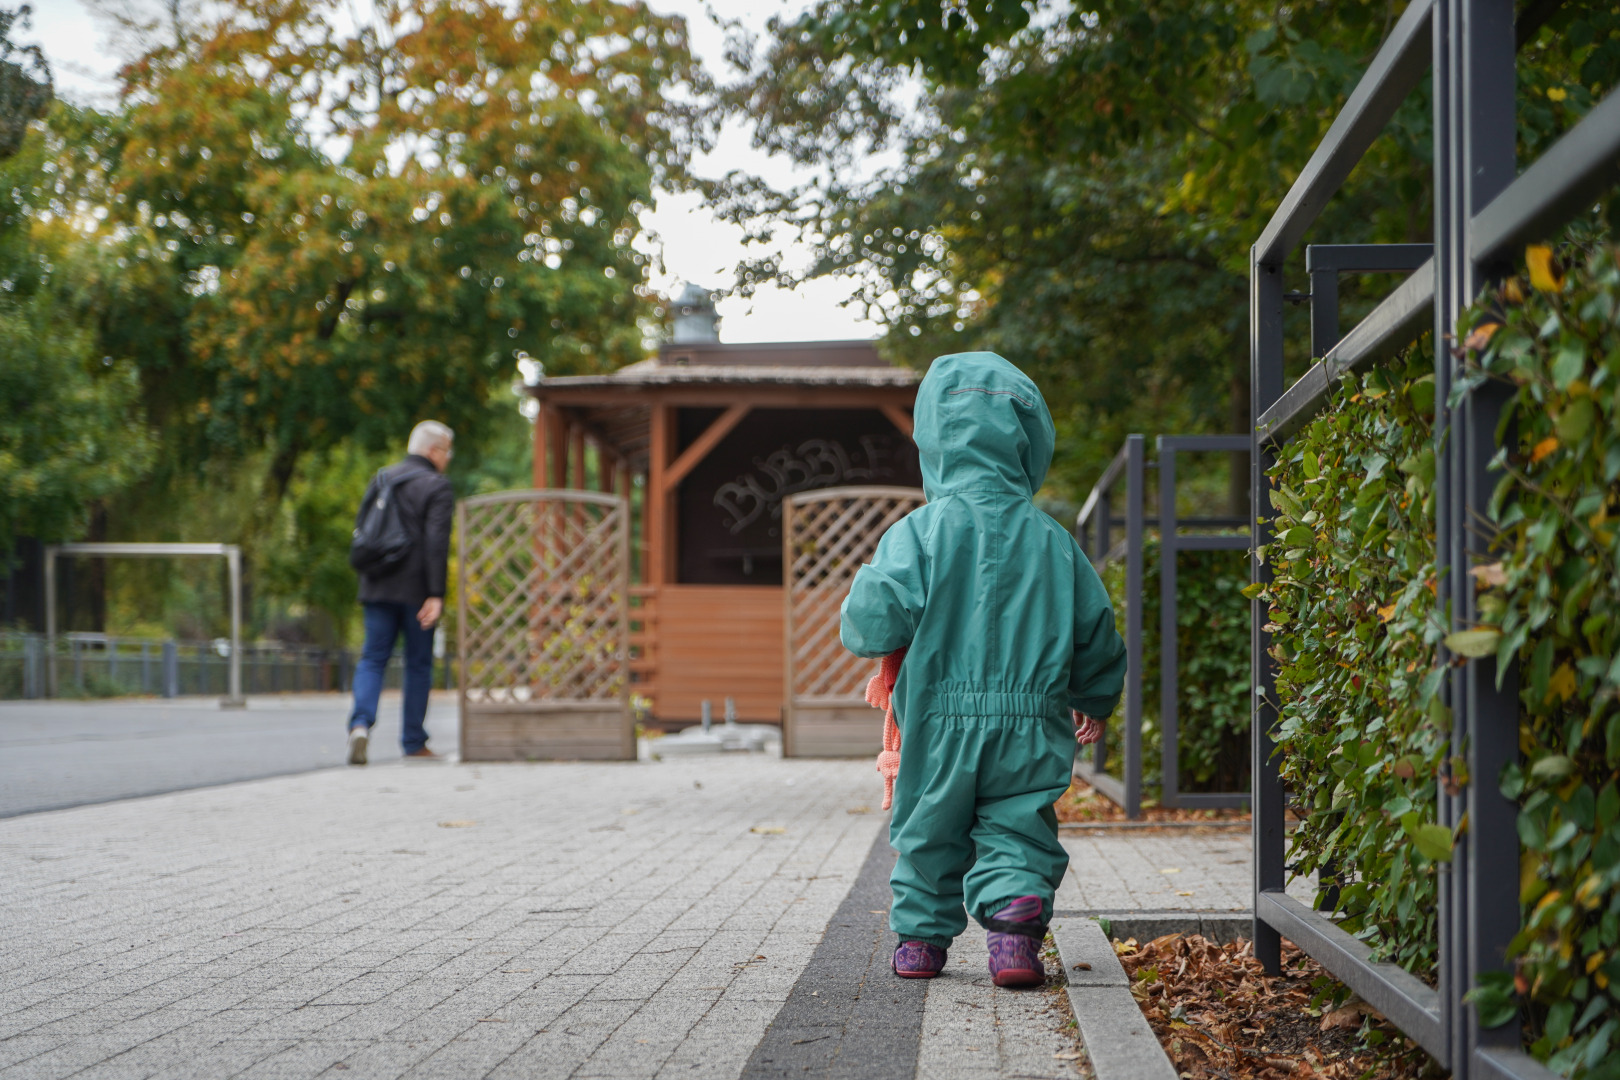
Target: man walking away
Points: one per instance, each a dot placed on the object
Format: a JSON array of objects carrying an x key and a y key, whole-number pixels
[{"x": 402, "y": 552}]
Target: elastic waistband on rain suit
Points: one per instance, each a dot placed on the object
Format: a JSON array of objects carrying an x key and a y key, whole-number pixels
[{"x": 964, "y": 701}]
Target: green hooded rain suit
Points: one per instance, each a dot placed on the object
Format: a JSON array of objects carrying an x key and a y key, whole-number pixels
[{"x": 1007, "y": 627}]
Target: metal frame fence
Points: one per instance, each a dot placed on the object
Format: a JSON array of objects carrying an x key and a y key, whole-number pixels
[
  {"x": 1094, "y": 526},
  {"x": 1483, "y": 212},
  {"x": 103, "y": 665}
]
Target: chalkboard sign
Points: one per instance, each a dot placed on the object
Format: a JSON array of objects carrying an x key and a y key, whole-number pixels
[{"x": 729, "y": 510}]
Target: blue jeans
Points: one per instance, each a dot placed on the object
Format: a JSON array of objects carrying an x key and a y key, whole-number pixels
[{"x": 384, "y": 623}]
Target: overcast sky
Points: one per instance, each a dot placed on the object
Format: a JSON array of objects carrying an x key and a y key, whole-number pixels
[{"x": 694, "y": 246}]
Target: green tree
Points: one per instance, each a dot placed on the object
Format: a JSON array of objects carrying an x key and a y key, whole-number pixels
[
  {"x": 306, "y": 235},
  {"x": 70, "y": 429},
  {"x": 1078, "y": 185},
  {"x": 366, "y": 227}
]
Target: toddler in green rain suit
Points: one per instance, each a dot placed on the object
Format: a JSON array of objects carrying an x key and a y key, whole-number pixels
[{"x": 1009, "y": 635}]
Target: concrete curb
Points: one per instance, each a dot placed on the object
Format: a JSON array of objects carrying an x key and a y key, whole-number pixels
[
  {"x": 1116, "y": 1035},
  {"x": 1221, "y": 927}
]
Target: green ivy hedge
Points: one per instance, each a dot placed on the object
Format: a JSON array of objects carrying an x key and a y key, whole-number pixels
[
  {"x": 1554, "y": 602},
  {"x": 1362, "y": 732},
  {"x": 1363, "y": 729},
  {"x": 1213, "y": 674}
]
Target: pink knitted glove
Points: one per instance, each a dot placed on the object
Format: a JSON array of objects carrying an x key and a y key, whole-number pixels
[{"x": 1087, "y": 729}]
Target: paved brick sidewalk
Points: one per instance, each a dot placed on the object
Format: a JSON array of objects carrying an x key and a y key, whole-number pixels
[
  {"x": 596, "y": 920},
  {"x": 625, "y": 920},
  {"x": 1172, "y": 870}
]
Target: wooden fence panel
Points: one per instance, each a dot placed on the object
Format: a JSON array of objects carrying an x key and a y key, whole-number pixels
[
  {"x": 826, "y": 536},
  {"x": 543, "y": 626}
]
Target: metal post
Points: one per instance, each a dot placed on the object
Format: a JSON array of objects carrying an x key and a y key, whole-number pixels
[
  {"x": 1446, "y": 238},
  {"x": 233, "y": 562},
  {"x": 1102, "y": 526},
  {"x": 1480, "y": 917},
  {"x": 1324, "y": 310},
  {"x": 50, "y": 621},
  {"x": 1265, "y": 387},
  {"x": 171, "y": 669},
  {"x": 33, "y": 666},
  {"x": 1135, "y": 479},
  {"x": 1169, "y": 687},
  {"x": 1105, "y": 523}
]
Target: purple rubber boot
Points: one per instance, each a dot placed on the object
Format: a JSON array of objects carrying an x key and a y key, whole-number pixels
[
  {"x": 918, "y": 960},
  {"x": 1014, "y": 935}
]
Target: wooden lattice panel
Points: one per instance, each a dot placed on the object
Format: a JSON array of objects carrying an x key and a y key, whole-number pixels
[
  {"x": 827, "y": 535},
  {"x": 544, "y": 579}
]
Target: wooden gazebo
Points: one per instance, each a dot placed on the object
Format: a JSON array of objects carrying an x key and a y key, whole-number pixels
[{"x": 708, "y": 441}]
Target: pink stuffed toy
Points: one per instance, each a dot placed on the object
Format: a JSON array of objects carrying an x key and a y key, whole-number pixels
[{"x": 880, "y": 695}]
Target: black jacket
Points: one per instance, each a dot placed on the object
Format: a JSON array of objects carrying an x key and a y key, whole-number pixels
[{"x": 426, "y": 505}]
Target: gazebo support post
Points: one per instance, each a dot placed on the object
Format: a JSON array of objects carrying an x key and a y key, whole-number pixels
[{"x": 656, "y": 509}]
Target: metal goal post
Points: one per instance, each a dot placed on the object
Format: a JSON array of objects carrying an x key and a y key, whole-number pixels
[{"x": 233, "y": 562}]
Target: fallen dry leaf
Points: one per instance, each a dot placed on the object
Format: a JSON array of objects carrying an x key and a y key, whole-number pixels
[
  {"x": 1082, "y": 966},
  {"x": 767, "y": 829},
  {"x": 457, "y": 824},
  {"x": 1349, "y": 1015}
]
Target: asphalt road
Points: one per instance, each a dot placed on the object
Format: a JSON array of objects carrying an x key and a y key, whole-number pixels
[{"x": 55, "y": 754}]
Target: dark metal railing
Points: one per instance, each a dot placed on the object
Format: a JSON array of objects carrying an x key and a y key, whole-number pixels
[
  {"x": 1094, "y": 526},
  {"x": 1483, "y": 212}
]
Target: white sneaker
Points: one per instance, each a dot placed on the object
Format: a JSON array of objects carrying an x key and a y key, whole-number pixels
[{"x": 358, "y": 738}]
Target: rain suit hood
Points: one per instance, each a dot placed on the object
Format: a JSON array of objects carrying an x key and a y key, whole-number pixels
[{"x": 981, "y": 424}]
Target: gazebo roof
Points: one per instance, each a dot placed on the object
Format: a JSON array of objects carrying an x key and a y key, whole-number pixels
[{"x": 617, "y": 407}]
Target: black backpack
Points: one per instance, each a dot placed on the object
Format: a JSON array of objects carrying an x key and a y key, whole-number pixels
[{"x": 381, "y": 540}]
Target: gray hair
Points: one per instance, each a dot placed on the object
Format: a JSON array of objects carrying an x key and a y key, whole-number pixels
[{"x": 427, "y": 435}]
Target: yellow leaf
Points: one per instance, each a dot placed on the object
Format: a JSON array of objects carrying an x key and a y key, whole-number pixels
[
  {"x": 1386, "y": 613},
  {"x": 1481, "y": 336},
  {"x": 1529, "y": 874},
  {"x": 1512, "y": 291},
  {"x": 1556, "y": 93},
  {"x": 1595, "y": 961},
  {"x": 1542, "y": 277},
  {"x": 1562, "y": 682},
  {"x": 1543, "y": 448}
]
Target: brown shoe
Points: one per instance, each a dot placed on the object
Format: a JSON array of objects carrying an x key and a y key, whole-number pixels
[{"x": 424, "y": 754}]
